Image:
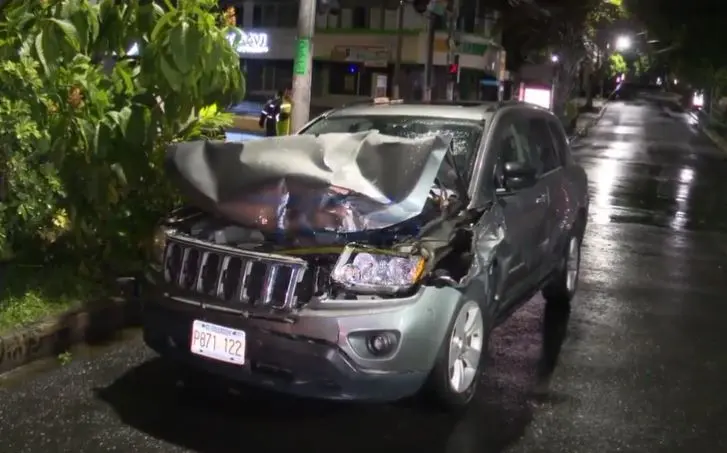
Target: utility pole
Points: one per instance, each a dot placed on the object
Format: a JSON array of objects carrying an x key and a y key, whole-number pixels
[
  {"x": 399, "y": 47},
  {"x": 453, "y": 44},
  {"x": 303, "y": 66},
  {"x": 429, "y": 65}
]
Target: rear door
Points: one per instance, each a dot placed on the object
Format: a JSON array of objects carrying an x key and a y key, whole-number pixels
[{"x": 524, "y": 210}]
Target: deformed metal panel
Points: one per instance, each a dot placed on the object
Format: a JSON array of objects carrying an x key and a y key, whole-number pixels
[{"x": 332, "y": 182}]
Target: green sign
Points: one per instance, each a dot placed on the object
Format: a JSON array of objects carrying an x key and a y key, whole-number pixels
[
  {"x": 302, "y": 56},
  {"x": 472, "y": 48}
]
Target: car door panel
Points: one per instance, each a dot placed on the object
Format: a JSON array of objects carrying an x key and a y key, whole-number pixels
[{"x": 524, "y": 212}]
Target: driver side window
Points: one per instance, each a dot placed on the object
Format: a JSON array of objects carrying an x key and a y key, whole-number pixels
[{"x": 511, "y": 144}]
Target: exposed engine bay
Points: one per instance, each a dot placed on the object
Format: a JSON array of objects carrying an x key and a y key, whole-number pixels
[{"x": 363, "y": 214}]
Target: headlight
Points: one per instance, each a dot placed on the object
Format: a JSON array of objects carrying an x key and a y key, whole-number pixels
[{"x": 375, "y": 271}]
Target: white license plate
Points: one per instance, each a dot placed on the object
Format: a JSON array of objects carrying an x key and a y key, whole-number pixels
[{"x": 218, "y": 342}]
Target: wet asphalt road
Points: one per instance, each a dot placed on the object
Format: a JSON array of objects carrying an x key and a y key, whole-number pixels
[{"x": 642, "y": 370}]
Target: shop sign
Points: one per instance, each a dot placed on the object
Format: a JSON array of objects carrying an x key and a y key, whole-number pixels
[
  {"x": 245, "y": 42},
  {"x": 368, "y": 55}
]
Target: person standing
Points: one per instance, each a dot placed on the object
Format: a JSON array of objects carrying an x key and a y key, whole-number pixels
[
  {"x": 284, "y": 112},
  {"x": 269, "y": 115}
]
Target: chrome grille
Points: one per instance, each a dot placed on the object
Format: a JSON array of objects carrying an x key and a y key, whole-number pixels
[{"x": 233, "y": 277}]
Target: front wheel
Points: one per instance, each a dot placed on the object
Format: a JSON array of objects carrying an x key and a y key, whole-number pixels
[{"x": 456, "y": 373}]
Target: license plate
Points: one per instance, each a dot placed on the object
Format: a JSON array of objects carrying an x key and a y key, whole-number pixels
[{"x": 218, "y": 342}]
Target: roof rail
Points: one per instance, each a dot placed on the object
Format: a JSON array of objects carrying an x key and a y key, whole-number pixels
[{"x": 458, "y": 103}]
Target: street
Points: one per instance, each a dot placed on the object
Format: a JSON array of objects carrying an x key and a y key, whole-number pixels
[{"x": 642, "y": 369}]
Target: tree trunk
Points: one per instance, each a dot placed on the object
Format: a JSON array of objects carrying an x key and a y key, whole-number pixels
[{"x": 588, "y": 80}]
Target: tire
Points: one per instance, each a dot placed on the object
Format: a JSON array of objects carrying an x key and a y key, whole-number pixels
[
  {"x": 439, "y": 390},
  {"x": 562, "y": 288}
]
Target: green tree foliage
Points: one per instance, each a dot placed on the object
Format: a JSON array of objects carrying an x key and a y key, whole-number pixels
[
  {"x": 84, "y": 125},
  {"x": 538, "y": 26},
  {"x": 616, "y": 64},
  {"x": 641, "y": 65},
  {"x": 691, "y": 36},
  {"x": 568, "y": 28}
]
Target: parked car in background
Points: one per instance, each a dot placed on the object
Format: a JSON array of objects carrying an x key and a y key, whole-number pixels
[{"x": 370, "y": 256}]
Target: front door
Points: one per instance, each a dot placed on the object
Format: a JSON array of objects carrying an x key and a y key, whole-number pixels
[
  {"x": 525, "y": 211},
  {"x": 551, "y": 168}
]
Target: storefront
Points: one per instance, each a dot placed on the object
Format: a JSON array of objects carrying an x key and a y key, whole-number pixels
[
  {"x": 349, "y": 66},
  {"x": 479, "y": 60},
  {"x": 266, "y": 57}
]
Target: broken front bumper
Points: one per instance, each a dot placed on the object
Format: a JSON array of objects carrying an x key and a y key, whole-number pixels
[{"x": 322, "y": 352}]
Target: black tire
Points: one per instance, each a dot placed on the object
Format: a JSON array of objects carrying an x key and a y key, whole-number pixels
[
  {"x": 437, "y": 391},
  {"x": 558, "y": 290}
]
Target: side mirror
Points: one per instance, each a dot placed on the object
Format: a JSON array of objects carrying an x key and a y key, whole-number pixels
[{"x": 519, "y": 175}]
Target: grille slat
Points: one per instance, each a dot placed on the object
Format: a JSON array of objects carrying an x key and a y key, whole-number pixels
[
  {"x": 246, "y": 266},
  {"x": 235, "y": 280}
]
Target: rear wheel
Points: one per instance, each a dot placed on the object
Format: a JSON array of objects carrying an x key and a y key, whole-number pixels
[{"x": 453, "y": 381}]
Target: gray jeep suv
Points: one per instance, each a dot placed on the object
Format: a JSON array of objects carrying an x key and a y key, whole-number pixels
[{"x": 417, "y": 229}]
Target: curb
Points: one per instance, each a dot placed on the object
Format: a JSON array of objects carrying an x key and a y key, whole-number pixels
[
  {"x": 580, "y": 133},
  {"x": 95, "y": 322},
  {"x": 718, "y": 141}
]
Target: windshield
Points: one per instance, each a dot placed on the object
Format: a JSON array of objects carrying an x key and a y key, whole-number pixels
[{"x": 465, "y": 134}]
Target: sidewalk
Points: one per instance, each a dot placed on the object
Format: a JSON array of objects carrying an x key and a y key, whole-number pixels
[
  {"x": 247, "y": 116},
  {"x": 578, "y": 126},
  {"x": 713, "y": 128}
]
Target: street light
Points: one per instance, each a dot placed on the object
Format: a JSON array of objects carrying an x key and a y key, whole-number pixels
[
  {"x": 554, "y": 58},
  {"x": 623, "y": 43}
]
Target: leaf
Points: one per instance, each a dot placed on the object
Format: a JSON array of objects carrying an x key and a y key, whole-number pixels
[
  {"x": 92, "y": 17},
  {"x": 80, "y": 19},
  {"x": 118, "y": 170},
  {"x": 41, "y": 53},
  {"x": 161, "y": 25},
  {"x": 174, "y": 79},
  {"x": 70, "y": 32},
  {"x": 113, "y": 194},
  {"x": 180, "y": 53},
  {"x": 138, "y": 126},
  {"x": 125, "y": 76}
]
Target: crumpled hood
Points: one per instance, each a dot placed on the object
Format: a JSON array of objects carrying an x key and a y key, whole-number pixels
[{"x": 331, "y": 182}]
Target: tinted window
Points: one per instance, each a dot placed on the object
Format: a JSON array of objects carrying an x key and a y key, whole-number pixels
[
  {"x": 560, "y": 141},
  {"x": 465, "y": 134},
  {"x": 541, "y": 141},
  {"x": 511, "y": 144}
]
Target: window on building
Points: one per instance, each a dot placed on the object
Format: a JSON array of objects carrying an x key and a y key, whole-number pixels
[
  {"x": 270, "y": 16},
  {"x": 257, "y": 16},
  {"x": 267, "y": 75},
  {"x": 343, "y": 79},
  {"x": 287, "y": 15},
  {"x": 468, "y": 15},
  {"x": 283, "y": 75},
  {"x": 351, "y": 79},
  {"x": 359, "y": 17},
  {"x": 254, "y": 75},
  {"x": 317, "y": 88}
]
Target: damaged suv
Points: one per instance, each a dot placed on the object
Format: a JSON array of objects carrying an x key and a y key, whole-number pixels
[{"x": 369, "y": 256}]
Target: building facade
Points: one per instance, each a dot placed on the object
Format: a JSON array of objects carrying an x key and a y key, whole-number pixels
[{"x": 354, "y": 52}]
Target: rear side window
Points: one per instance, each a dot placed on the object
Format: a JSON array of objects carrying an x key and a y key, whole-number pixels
[
  {"x": 561, "y": 142},
  {"x": 541, "y": 140}
]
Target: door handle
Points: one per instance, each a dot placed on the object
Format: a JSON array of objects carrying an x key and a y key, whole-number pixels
[{"x": 542, "y": 198}]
